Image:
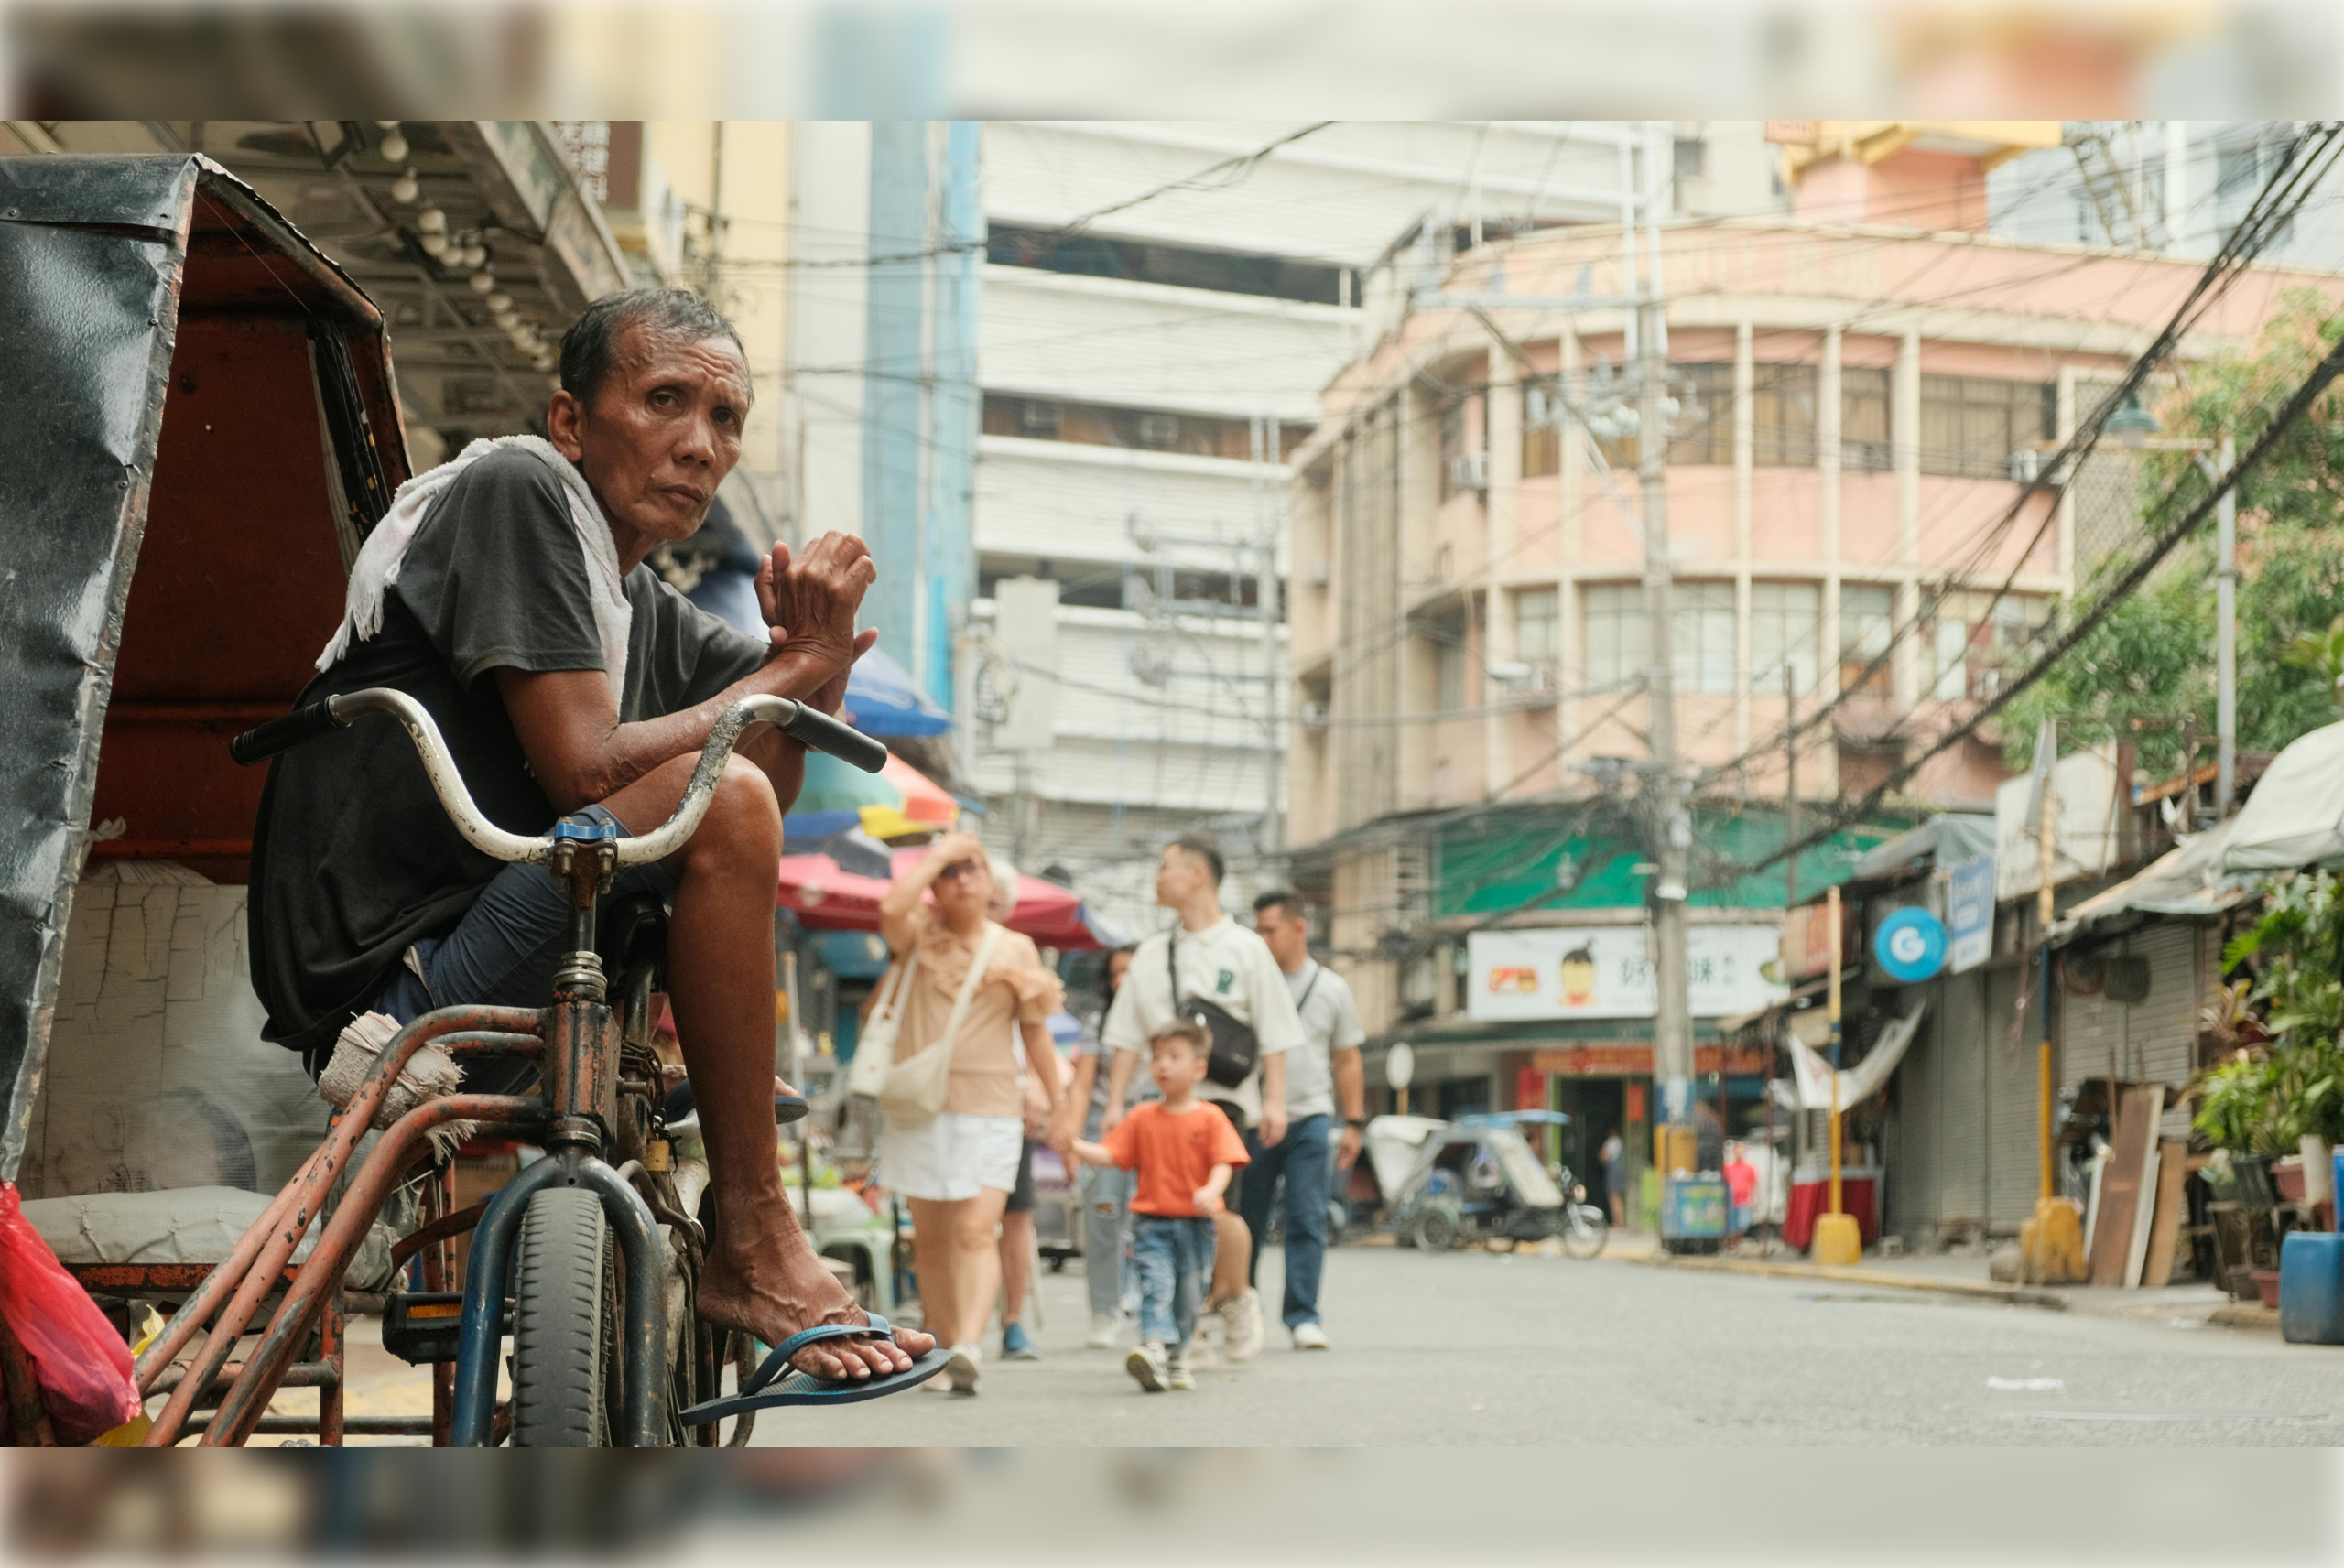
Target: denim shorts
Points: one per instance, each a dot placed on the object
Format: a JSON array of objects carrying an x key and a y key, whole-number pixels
[{"x": 504, "y": 952}]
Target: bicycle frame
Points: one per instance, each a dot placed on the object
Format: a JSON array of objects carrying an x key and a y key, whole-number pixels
[{"x": 578, "y": 1041}]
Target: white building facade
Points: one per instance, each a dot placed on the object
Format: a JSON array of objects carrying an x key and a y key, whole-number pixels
[{"x": 1140, "y": 370}]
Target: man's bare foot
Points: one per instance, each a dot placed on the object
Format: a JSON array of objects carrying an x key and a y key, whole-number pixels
[{"x": 774, "y": 1291}]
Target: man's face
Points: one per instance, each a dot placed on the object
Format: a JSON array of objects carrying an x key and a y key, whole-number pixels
[
  {"x": 664, "y": 432},
  {"x": 1288, "y": 936},
  {"x": 1179, "y": 875}
]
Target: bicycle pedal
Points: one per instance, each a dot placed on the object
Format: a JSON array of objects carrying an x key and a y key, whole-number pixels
[{"x": 422, "y": 1328}]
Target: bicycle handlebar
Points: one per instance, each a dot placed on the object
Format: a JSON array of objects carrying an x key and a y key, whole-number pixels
[{"x": 817, "y": 731}]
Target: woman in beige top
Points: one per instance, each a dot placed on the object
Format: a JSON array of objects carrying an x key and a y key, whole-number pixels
[{"x": 956, "y": 1168}]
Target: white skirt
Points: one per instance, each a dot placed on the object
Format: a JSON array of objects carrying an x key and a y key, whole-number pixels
[{"x": 951, "y": 1156}]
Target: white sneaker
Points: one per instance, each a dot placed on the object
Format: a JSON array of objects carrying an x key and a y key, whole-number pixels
[
  {"x": 1105, "y": 1329},
  {"x": 1241, "y": 1322},
  {"x": 1309, "y": 1337},
  {"x": 1148, "y": 1368},
  {"x": 1177, "y": 1376},
  {"x": 965, "y": 1367}
]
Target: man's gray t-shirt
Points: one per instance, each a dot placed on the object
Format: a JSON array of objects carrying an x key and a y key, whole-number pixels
[
  {"x": 353, "y": 858},
  {"x": 1329, "y": 1023}
]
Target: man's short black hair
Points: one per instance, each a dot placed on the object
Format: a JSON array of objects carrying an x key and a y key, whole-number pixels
[
  {"x": 1282, "y": 899},
  {"x": 589, "y": 349},
  {"x": 1205, "y": 847}
]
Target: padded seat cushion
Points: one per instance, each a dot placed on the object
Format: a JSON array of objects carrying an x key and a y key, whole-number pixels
[{"x": 181, "y": 1224}]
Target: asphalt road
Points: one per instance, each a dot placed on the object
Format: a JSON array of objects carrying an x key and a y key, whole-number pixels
[{"x": 1471, "y": 1348}]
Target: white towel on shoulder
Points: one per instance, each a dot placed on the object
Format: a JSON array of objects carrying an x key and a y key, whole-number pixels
[{"x": 377, "y": 567}]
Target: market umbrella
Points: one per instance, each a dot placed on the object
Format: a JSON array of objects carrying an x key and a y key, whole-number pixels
[
  {"x": 882, "y": 698},
  {"x": 897, "y": 801}
]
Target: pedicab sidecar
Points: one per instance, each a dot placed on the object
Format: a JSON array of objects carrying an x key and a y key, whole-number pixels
[{"x": 198, "y": 425}]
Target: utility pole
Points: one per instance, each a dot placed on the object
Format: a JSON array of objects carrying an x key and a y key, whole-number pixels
[
  {"x": 1266, "y": 436},
  {"x": 2046, "y": 910},
  {"x": 2225, "y": 642},
  {"x": 1667, "y": 821}
]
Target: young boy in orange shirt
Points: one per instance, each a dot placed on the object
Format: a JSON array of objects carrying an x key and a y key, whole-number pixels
[{"x": 1183, "y": 1150}]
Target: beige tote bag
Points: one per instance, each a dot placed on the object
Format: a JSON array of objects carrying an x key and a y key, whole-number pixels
[
  {"x": 874, "y": 1049},
  {"x": 915, "y": 1087}
]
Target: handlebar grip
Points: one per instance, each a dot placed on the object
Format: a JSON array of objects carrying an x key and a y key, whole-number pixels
[
  {"x": 305, "y": 723},
  {"x": 824, "y": 733}
]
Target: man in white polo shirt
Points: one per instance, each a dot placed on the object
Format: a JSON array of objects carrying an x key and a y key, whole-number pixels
[
  {"x": 1219, "y": 962},
  {"x": 1324, "y": 1069}
]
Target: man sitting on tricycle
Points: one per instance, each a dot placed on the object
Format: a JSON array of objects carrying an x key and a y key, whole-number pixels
[{"x": 510, "y": 599}]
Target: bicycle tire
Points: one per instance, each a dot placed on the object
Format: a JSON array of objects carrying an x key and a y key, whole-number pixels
[
  {"x": 1585, "y": 1230},
  {"x": 563, "y": 1326}
]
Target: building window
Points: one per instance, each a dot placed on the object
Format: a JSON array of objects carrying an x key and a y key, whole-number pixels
[
  {"x": 1619, "y": 635},
  {"x": 1449, "y": 650},
  {"x": 1538, "y": 627},
  {"x": 1864, "y": 430},
  {"x": 1971, "y": 426},
  {"x": 1783, "y": 619},
  {"x": 1973, "y": 641},
  {"x": 1181, "y": 266},
  {"x": 1704, "y": 432},
  {"x": 1453, "y": 468},
  {"x": 1143, "y": 429},
  {"x": 1700, "y": 624},
  {"x": 1692, "y": 157},
  {"x": 1867, "y": 612},
  {"x": 1782, "y": 416},
  {"x": 1541, "y": 430}
]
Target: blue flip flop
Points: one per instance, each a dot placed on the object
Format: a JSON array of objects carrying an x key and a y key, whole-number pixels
[{"x": 775, "y": 1382}]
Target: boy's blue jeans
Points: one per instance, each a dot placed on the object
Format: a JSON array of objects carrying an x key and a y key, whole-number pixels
[{"x": 1173, "y": 1258}]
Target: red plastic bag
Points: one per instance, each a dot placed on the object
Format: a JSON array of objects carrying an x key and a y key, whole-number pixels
[{"x": 82, "y": 1365}]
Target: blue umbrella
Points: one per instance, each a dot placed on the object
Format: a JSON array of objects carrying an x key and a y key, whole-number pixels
[{"x": 882, "y": 698}]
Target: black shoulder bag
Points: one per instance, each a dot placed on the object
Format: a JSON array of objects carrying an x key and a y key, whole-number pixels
[{"x": 1235, "y": 1046}]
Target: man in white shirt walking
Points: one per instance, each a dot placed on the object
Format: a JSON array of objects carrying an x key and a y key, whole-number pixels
[
  {"x": 1325, "y": 1067},
  {"x": 1212, "y": 959}
]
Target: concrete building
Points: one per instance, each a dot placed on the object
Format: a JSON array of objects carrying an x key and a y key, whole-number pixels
[
  {"x": 1860, "y": 390},
  {"x": 1147, "y": 368}
]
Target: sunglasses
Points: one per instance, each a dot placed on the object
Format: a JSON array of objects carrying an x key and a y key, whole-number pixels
[{"x": 957, "y": 869}]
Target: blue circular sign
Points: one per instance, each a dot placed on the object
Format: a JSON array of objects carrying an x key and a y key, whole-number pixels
[{"x": 1910, "y": 944}]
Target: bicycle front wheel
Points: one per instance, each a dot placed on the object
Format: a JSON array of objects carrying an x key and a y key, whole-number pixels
[
  {"x": 1585, "y": 1229},
  {"x": 565, "y": 1311}
]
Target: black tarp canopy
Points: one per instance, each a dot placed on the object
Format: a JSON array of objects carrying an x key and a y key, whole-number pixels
[{"x": 197, "y": 427}]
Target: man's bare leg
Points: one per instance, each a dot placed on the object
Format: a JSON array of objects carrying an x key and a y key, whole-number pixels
[{"x": 762, "y": 1275}]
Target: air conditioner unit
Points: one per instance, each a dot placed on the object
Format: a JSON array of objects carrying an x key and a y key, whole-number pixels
[
  {"x": 2025, "y": 466},
  {"x": 1469, "y": 470},
  {"x": 1314, "y": 716}
]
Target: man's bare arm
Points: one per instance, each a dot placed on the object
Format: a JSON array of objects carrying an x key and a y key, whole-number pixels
[
  {"x": 569, "y": 730},
  {"x": 568, "y": 721}
]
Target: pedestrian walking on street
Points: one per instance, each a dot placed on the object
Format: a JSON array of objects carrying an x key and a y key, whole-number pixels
[
  {"x": 1106, "y": 1191},
  {"x": 958, "y": 1166},
  {"x": 1210, "y": 968},
  {"x": 1181, "y": 1152},
  {"x": 1613, "y": 1158},
  {"x": 1324, "y": 1069}
]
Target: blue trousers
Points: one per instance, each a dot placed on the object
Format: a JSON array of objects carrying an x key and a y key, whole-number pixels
[
  {"x": 1304, "y": 1160},
  {"x": 1173, "y": 1258}
]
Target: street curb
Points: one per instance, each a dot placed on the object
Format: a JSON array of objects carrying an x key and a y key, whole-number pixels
[
  {"x": 2016, "y": 1296},
  {"x": 2247, "y": 1314}
]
